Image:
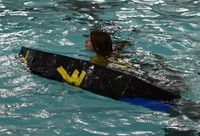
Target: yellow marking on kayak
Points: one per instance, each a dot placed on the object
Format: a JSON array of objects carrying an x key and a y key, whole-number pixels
[
  {"x": 74, "y": 78},
  {"x": 26, "y": 57}
]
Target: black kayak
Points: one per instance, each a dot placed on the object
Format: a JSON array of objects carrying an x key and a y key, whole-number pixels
[{"x": 96, "y": 78}]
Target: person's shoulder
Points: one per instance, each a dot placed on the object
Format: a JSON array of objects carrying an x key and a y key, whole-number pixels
[{"x": 99, "y": 59}]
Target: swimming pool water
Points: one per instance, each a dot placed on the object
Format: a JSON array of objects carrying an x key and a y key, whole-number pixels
[{"x": 164, "y": 33}]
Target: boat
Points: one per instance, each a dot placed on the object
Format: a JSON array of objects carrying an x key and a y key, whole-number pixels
[{"x": 93, "y": 77}]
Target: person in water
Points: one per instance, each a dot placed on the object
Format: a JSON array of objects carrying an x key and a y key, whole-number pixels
[{"x": 101, "y": 43}]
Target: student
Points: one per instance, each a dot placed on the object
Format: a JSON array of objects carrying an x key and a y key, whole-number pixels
[{"x": 101, "y": 44}]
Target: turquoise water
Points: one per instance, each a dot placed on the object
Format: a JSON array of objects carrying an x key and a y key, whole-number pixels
[{"x": 164, "y": 32}]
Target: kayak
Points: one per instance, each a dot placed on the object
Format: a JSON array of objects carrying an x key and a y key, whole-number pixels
[{"x": 93, "y": 77}]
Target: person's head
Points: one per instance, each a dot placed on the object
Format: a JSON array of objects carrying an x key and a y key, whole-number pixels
[{"x": 100, "y": 42}]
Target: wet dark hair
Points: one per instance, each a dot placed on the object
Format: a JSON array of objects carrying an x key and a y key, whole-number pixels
[{"x": 101, "y": 42}]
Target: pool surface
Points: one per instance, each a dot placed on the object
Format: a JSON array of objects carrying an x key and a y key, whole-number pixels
[{"x": 163, "y": 34}]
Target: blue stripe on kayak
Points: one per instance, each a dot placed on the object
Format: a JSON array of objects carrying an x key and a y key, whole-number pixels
[{"x": 151, "y": 104}]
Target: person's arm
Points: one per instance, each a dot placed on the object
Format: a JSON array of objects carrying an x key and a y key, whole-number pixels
[{"x": 120, "y": 45}]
